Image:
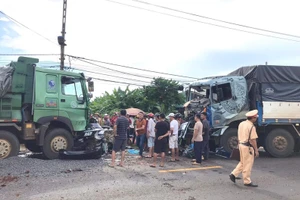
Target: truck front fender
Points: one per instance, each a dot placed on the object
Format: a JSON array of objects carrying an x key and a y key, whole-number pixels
[{"x": 220, "y": 131}]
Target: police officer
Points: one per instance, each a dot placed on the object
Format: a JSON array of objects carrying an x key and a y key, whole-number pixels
[{"x": 248, "y": 148}]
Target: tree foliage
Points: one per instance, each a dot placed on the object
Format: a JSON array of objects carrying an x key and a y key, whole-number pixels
[{"x": 161, "y": 96}]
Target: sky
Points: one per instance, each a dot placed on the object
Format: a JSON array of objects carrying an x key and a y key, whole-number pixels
[{"x": 110, "y": 32}]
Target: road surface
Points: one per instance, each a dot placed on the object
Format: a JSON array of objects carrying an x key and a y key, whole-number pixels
[{"x": 37, "y": 179}]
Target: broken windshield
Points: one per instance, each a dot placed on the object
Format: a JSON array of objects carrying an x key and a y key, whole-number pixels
[{"x": 198, "y": 92}]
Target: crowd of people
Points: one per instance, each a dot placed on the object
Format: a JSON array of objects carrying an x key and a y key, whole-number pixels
[
  {"x": 153, "y": 132},
  {"x": 158, "y": 134}
]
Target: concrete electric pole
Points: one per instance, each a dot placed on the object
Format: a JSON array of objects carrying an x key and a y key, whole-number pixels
[{"x": 61, "y": 39}]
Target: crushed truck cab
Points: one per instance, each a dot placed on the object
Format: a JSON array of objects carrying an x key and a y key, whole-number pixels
[
  {"x": 42, "y": 108},
  {"x": 272, "y": 90}
]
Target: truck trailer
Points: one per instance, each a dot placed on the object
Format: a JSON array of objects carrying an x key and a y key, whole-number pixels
[
  {"x": 44, "y": 109},
  {"x": 273, "y": 90}
]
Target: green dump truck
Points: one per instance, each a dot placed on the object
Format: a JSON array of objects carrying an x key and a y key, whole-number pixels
[{"x": 42, "y": 108}]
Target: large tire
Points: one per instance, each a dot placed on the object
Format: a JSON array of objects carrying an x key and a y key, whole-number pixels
[
  {"x": 229, "y": 140},
  {"x": 279, "y": 143},
  {"x": 33, "y": 147},
  {"x": 9, "y": 145},
  {"x": 56, "y": 139}
]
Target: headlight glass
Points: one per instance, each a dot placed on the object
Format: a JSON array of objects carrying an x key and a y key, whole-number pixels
[
  {"x": 99, "y": 135},
  {"x": 183, "y": 126}
]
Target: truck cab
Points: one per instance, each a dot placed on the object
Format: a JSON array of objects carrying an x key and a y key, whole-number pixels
[{"x": 225, "y": 99}]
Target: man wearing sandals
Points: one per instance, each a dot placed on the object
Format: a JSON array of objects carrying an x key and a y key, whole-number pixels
[
  {"x": 120, "y": 132},
  {"x": 150, "y": 134},
  {"x": 173, "y": 140},
  {"x": 162, "y": 129}
]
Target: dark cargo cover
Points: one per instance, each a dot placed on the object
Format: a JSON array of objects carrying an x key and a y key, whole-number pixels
[
  {"x": 6, "y": 73},
  {"x": 271, "y": 82}
]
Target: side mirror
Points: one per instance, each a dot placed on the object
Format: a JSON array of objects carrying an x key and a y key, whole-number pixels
[
  {"x": 91, "y": 86},
  {"x": 90, "y": 95},
  {"x": 180, "y": 87}
]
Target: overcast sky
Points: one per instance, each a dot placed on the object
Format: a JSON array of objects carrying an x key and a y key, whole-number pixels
[{"x": 115, "y": 33}]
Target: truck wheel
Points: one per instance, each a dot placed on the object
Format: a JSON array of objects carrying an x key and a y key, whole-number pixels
[
  {"x": 55, "y": 140},
  {"x": 280, "y": 143},
  {"x": 229, "y": 140},
  {"x": 9, "y": 145},
  {"x": 31, "y": 146}
]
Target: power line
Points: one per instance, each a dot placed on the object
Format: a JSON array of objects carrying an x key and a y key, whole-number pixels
[
  {"x": 129, "y": 79},
  {"x": 79, "y": 58},
  {"x": 20, "y": 24},
  {"x": 89, "y": 71},
  {"x": 124, "y": 66},
  {"x": 207, "y": 23},
  {"x": 214, "y": 19},
  {"x": 126, "y": 83},
  {"x": 29, "y": 54},
  {"x": 114, "y": 70}
]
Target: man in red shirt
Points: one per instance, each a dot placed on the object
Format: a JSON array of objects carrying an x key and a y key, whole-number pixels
[{"x": 114, "y": 119}]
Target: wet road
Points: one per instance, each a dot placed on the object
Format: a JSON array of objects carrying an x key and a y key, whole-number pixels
[{"x": 277, "y": 179}]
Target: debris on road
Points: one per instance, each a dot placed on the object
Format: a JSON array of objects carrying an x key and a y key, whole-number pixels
[
  {"x": 71, "y": 170},
  {"x": 7, "y": 179}
]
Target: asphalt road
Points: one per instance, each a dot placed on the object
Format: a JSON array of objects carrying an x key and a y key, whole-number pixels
[{"x": 93, "y": 179}]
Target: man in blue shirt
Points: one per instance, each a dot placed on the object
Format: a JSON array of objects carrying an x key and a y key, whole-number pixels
[{"x": 120, "y": 132}]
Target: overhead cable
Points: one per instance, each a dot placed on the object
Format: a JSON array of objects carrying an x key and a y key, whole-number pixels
[
  {"x": 214, "y": 19},
  {"x": 20, "y": 24},
  {"x": 202, "y": 22},
  {"x": 128, "y": 67}
]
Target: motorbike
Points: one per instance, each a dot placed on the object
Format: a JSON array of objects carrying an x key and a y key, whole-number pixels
[{"x": 91, "y": 144}]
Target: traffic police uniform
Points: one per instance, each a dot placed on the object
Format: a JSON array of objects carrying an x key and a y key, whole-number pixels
[{"x": 246, "y": 152}]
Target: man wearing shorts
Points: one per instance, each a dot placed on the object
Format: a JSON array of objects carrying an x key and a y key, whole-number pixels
[
  {"x": 150, "y": 134},
  {"x": 173, "y": 140},
  {"x": 120, "y": 132},
  {"x": 162, "y": 129}
]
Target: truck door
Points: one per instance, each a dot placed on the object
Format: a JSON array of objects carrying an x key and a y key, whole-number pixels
[
  {"x": 228, "y": 100},
  {"x": 72, "y": 103}
]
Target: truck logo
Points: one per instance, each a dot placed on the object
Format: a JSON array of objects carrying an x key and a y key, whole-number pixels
[
  {"x": 269, "y": 90},
  {"x": 51, "y": 84},
  {"x": 73, "y": 104}
]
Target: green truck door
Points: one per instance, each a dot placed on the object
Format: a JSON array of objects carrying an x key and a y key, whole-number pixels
[
  {"x": 46, "y": 96},
  {"x": 71, "y": 102}
]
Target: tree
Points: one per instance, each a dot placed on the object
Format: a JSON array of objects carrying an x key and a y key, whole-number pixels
[
  {"x": 164, "y": 94},
  {"x": 161, "y": 96}
]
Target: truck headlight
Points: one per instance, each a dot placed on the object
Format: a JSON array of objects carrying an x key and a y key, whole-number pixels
[
  {"x": 183, "y": 126},
  {"x": 99, "y": 135}
]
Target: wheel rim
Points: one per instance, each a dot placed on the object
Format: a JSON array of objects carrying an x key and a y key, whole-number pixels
[
  {"x": 5, "y": 148},
  {"x": 58, "y": 143},
  {"x": 280, "y": 143},
  {"x": 233, "y": 142}
]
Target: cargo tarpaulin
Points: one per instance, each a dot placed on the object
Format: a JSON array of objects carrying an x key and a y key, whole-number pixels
[
  {"x": 271, "y": 82},
  {"x": 289, "y": 92},
  {"x": 269, "y": 73},
  {"x": 6, "y": 73}
]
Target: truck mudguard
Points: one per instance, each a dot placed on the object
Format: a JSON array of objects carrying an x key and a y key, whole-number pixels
[{"x": 48, "y": 119}]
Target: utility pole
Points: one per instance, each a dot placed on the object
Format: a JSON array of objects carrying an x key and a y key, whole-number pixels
[{"x": 61, "y": 39}]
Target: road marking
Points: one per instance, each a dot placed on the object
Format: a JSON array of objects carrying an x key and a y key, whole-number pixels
[{"x": 189, "y": 169}]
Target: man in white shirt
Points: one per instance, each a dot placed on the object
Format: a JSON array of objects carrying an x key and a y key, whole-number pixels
[
  {"x": 150, "y": 134},
  {"x": 173, "y": 140}
]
